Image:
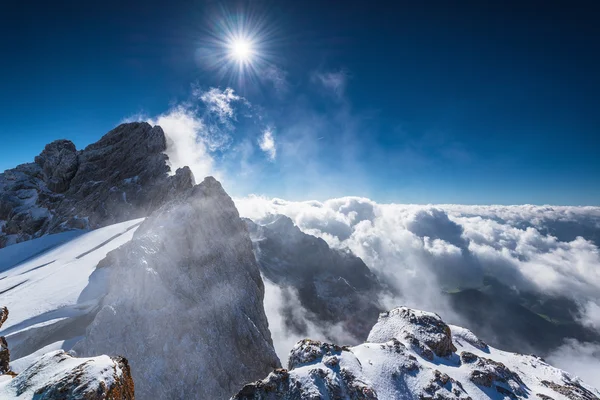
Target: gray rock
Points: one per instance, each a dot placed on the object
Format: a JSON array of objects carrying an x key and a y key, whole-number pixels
[
  {"x": 185, "y": 301},
  {"x": 124, "y": 175}
]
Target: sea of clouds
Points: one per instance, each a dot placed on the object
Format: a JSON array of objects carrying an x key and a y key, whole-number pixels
[
  {"x": 415, "y": 249},
  {"x": 419, "y": 249}
]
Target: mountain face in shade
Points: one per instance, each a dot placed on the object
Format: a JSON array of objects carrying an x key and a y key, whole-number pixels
[
  {"x": 122, "y": 176},
  {"x": 184, "y": 301},
  {"x": 334, "y": 286},
  {"x": 412, "y": 354}
]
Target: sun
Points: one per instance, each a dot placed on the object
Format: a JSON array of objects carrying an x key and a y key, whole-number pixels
[{"x": 241, "y": 49}]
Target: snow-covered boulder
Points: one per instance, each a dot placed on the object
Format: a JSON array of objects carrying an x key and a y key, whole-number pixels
[
  {"x": 60, "y": 376},
  {"x": 425, "y": 331},
  {"x": 184, "y": 301},
  {"x": 413, "y": 354}
]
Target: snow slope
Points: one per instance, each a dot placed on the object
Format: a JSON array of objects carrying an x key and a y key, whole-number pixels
[{"x": 45, "y": 292}]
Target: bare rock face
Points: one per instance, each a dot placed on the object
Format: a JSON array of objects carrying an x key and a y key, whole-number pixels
[
  {"x": 60, "y": 376},
  {"x": 391, "y": 366},
  {"x": 124, "y": 175},
  {"x": 59, "y": 163},
  {"x": 4, "y": 352},
  {"x": 493, "y": 374},
  {"x": 185, "y": 301}
]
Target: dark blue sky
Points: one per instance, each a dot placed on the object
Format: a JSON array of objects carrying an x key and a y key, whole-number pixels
[{"x": 439, "y": 102}]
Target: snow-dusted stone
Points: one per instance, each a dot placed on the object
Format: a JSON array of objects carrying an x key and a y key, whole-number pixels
[
  {"x": 184, "y": 302},
  {"x": 419, "y": 327},
  {"x": 390, "y": 366},
  {"x": 60, "y": 376}
]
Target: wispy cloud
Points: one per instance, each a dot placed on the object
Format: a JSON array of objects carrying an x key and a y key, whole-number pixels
[
  {"x": 277, "y": 77},
  {"x": 267, "y": 144},
  {"x": 333, "y": 81}
]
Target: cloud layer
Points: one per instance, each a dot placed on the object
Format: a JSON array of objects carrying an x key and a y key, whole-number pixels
[{"x": 420, "y": 249}]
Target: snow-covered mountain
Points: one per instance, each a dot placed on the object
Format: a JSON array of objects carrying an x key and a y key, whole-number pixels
[
  {"x": 102, "y": 252},
  {"x": 412, "y": 354}
]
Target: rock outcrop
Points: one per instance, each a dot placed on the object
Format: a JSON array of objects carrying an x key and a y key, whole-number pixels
[
  {"x": 413, "y": 354},
  {"x": 185, "y": 301},
  {"x": 124, "y": 175},
  {"x": 4, "y": 351},
  {"x": 335, "y": 286}
]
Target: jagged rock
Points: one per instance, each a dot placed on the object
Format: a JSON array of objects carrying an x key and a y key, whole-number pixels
[
  {"x": 333, "y": 285},
  {"x": 4, "y": 351},
  {"x": 396, "y": 369},
  {"x": 572, "y": 389},
  {"x": 418, "y": 326},
  {"x": 60, "y": 376},
  {"x": 490, "y": 373},
  {"x": 122, "y": 176},
  {"x": 184, "y": 301},
  {"x": 59, "y": 162}
]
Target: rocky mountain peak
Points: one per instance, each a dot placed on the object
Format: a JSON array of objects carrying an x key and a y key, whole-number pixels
[
  {"x": 122, "y": 176},
  {"x": 186, "y": 296}
]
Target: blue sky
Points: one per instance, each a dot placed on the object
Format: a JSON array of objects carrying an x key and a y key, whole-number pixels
[{"x": 401, "y": 102}]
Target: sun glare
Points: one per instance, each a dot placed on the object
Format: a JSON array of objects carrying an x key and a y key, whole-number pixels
[
  {"x": 241, "y": 49},
  {"x": 239, "y": 46}
]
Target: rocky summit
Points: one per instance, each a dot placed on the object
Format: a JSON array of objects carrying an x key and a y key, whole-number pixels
[
  {"x": 413, "y": 354},
  {"x": 185, "y": 301},
  {"x": 124, "y": 175}
]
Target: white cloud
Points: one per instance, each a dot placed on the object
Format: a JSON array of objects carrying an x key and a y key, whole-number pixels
[
  {"x": 283, "y": 304},
  {"x": 333, "y": 81},
  {"x": 580, "y": 359},
  {"x": 420, "y": 248},
  {"x": 185, "y": 145},
  {"x": 277, "y": 77},
  {"x": 194, "y": 133},
  {"x": 267, "y": 144},
  {"x": 219, "y": 102},
  {"x": 590, "y": 316}
]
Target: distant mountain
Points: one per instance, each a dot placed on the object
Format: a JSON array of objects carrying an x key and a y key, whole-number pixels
[
  {"x": 335, "y": 286},
  {"x": 122, "y": 176},
  {"x": 413, "y": 354}
]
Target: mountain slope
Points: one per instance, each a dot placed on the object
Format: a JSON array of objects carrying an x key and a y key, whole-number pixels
[
  {"x": 50, "y": 296},
  {"x": 412, "y": 354}
]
